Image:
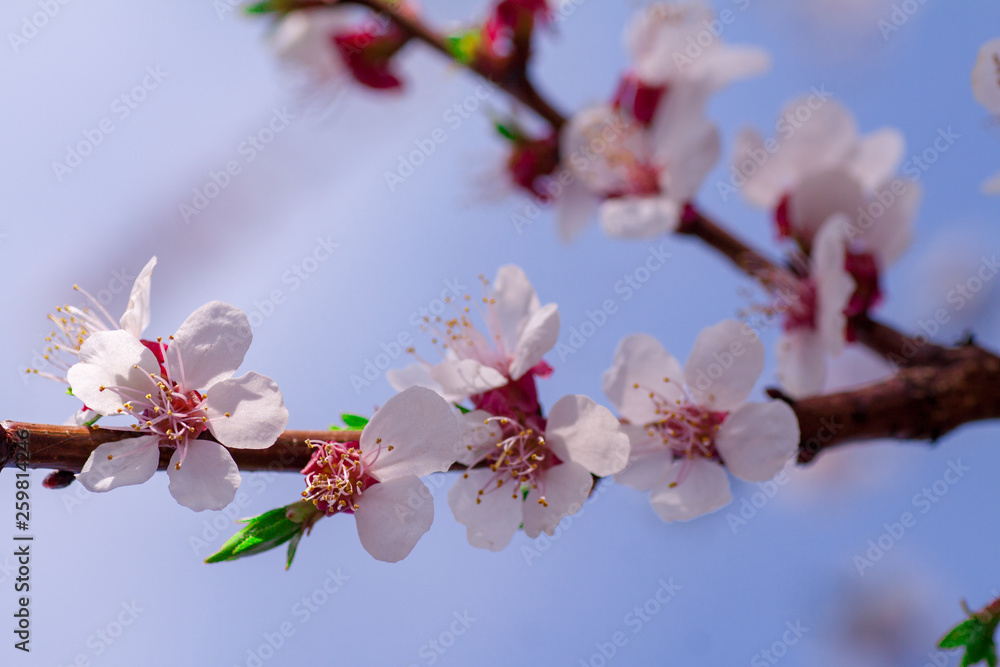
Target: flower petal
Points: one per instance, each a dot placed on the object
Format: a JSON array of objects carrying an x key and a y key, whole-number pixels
[
  {"x": 648, "y": 462},
  {"x": 889, "y": 235},
  {"x": 877, "y": 157},
  {"x": 421, "y": 430},
  {"x": 492, "y": 522},
  {"x": 208, "y": 479},
  {"x": 641, "y": 360},
  {"x": 110, "y": 359},
  {"x": 566, "y": 488},
  {"x": 639, "y": 217},
  {"x": 834, "y": 285},
  {"x": 704, "y": 489},
  {"x": 209, "y": 346},
  {"x": 757, "y": 439},
  {"x": 986, "y": 76},
  {"x": 419, "y": 375},
  {"x": 136, "y": 316},
  {"x": 247, "y": 412},
  {"x": 582, "y": 431},
  {"x": 465, "y": 377},
  {"x": 393, "y": 516},
  {"x": 821, "y": 196},
  {"x": 801, "y": 362},
  {"x": 538, "y": 335},
  {"x": 724, "y": 365},
  {"x": 575, "y": 208},
  {"x": 121, "y": 463},
  {"x": 477, "y": 436},
  {"x": 514, "y": 301}
]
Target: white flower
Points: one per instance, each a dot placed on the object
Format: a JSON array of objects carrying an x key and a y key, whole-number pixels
[
  {"x": 685, "y": 423},
  {"x": 75, "y": 324},
  {"x": 305, "y": 39},
  {"x": 818, "y": 157},
  {"x": 536, "y": 473},
  {"x": 986, "y": 88},
  {"x": 640, "y": 176},
  {"x": 378, "y": 478},
  {"x": 193, "y": 391},
  {"x": 815, "y": 319},
  {"x": 519, "y": 332},
  {"x": 672, "y": 43}
]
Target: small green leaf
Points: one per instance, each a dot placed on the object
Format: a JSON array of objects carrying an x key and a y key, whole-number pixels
[
  {"x": 293, "y": 544},
  {"x": 262, "y": 533},
  {"x": 507, "y": 132},
  {"x": 69, "y": 391},
  {"x": 961, "y": 634},
  {"x": 463, "y": 45},
  {"x": 354, "y": 422},
  {"x": 464, "y": 410},
  {"x": 976, "y": 636}
]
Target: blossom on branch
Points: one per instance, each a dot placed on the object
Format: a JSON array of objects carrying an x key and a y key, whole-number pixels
[
  {"x": 378, "y": 478},
  {"x": 686, "y": 424},
  {"x": 177, "y": 390},
  {"x": 496, "y": 369},
  {"x": 986, "y": 88},
  {"x": 536, "y": 471}
]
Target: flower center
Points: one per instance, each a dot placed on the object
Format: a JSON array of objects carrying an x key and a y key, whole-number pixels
[
  {"x": 336, "y": 476},
  {"x": 518, "y": 461}
]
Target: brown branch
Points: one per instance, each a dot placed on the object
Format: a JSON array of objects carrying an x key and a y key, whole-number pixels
[{"x": 69, "y": 447}]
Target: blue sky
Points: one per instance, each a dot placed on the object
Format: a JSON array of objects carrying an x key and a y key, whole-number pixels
[{"x": 136, "y": 556}]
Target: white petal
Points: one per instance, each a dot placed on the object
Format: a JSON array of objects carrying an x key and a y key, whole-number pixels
[
  {"x": 724, "y": 365},
  {"x": 801, "y": 362},
  {"x": 729, "y": 63},
  {"x": 304, "y": 38},
  {"x": 582, "y": 431},
  {"x": 648, "y": 462},
  {"x": 641, "y": 360},
  {"x": 537, "y": 336},
  {"x": 256, "y": 411},
  {"x": 477, "y": 436},
  {"x": 209, "y": 346},
  {"x": 393, "y": 516},
  {"x": 419, "y": 375},
  {"x": 207, "y": 480},
  {"x": 121, "y": 463},
  {"x": 686, "y": 143},
  {"x": 566, "y": 488},
  {"x": 890, "y": 234},
  {"x": 877, "y": 157},
  {"x": 639, "y": 217},
  {"x": 111, "y": 359},
  {"x": 515, "y": 301},
  {"x": 136, "y": 317},
  {"x": 986, "y": 76},
  {"x": 575, "y": 208},
  {"x": 704, "y": 489},
  {"x": 821, "y": 196},
  {"x": 465, "y": 377},
  {"x": 763, "y": 187},
  {"x": 757, "y": 440},
  {"x": 491, "y": 523},
  {"x": 421, "y": 429},
  {"x": 834, "y": 285}
]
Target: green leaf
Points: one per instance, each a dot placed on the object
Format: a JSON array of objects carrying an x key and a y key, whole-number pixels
[
  {"x": 69, "y": 391},
  {"x": 293, "y": 544},
  {"x": 976, "y": 636},
  {"x": 463, "y": 45},
  {"x": 961, "y": 634},
  {"x": 464, "y": 410},
  {"x": 354, "y": 422},
  {"x": 507, "y": 132},
  {"x": 262, "y": 533}
]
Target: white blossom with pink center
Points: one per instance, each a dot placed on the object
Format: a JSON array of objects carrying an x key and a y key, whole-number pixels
[
  {"x": 191, "y": 392},
  {"x": 378, "y": 478},
  {"x": 534, "y": 474},
  {"x": 814, "y": 313},
  {"x": 638, "y": 176},
  {"x": 74, "y": 324},
  {"x": 986, "y": 88},
  {"x": 519, "y": 331},
  {"x": 672, "y": 43},
  {"x": 684, "y": 424}
]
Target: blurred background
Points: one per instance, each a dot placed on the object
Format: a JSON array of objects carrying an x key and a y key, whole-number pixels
[{"x": 118, "y": 579}]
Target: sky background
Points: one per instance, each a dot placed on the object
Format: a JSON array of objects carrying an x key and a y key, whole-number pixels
[{"x": 135, "y": 555}]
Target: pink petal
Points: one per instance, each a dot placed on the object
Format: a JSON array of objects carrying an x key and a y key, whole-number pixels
[
  {"x": 641, "y": 360},
  {"x": 757, "y": 440},
  {"x": 136, "y": 316},
  {"x": 801, "y": 362},
  {"x": 567, "y": 486},
  {"x": 419, "y": 426},
  {"x": 393, "y": 516},
  {"x": 207, "y": 480},
  {"x": 582, "y": 431},
  {"x": 256, "y": 411},
  {"x": 111, "y": 359},
  {"x": 209, "y": 346},
  {"x": 705, "y": 489},
  {"x": 537, "y": 336},
  {"x": 491, "y": 523},
  {"x": 724, "y": 365},
  {"x": 121, "y": 463}
]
